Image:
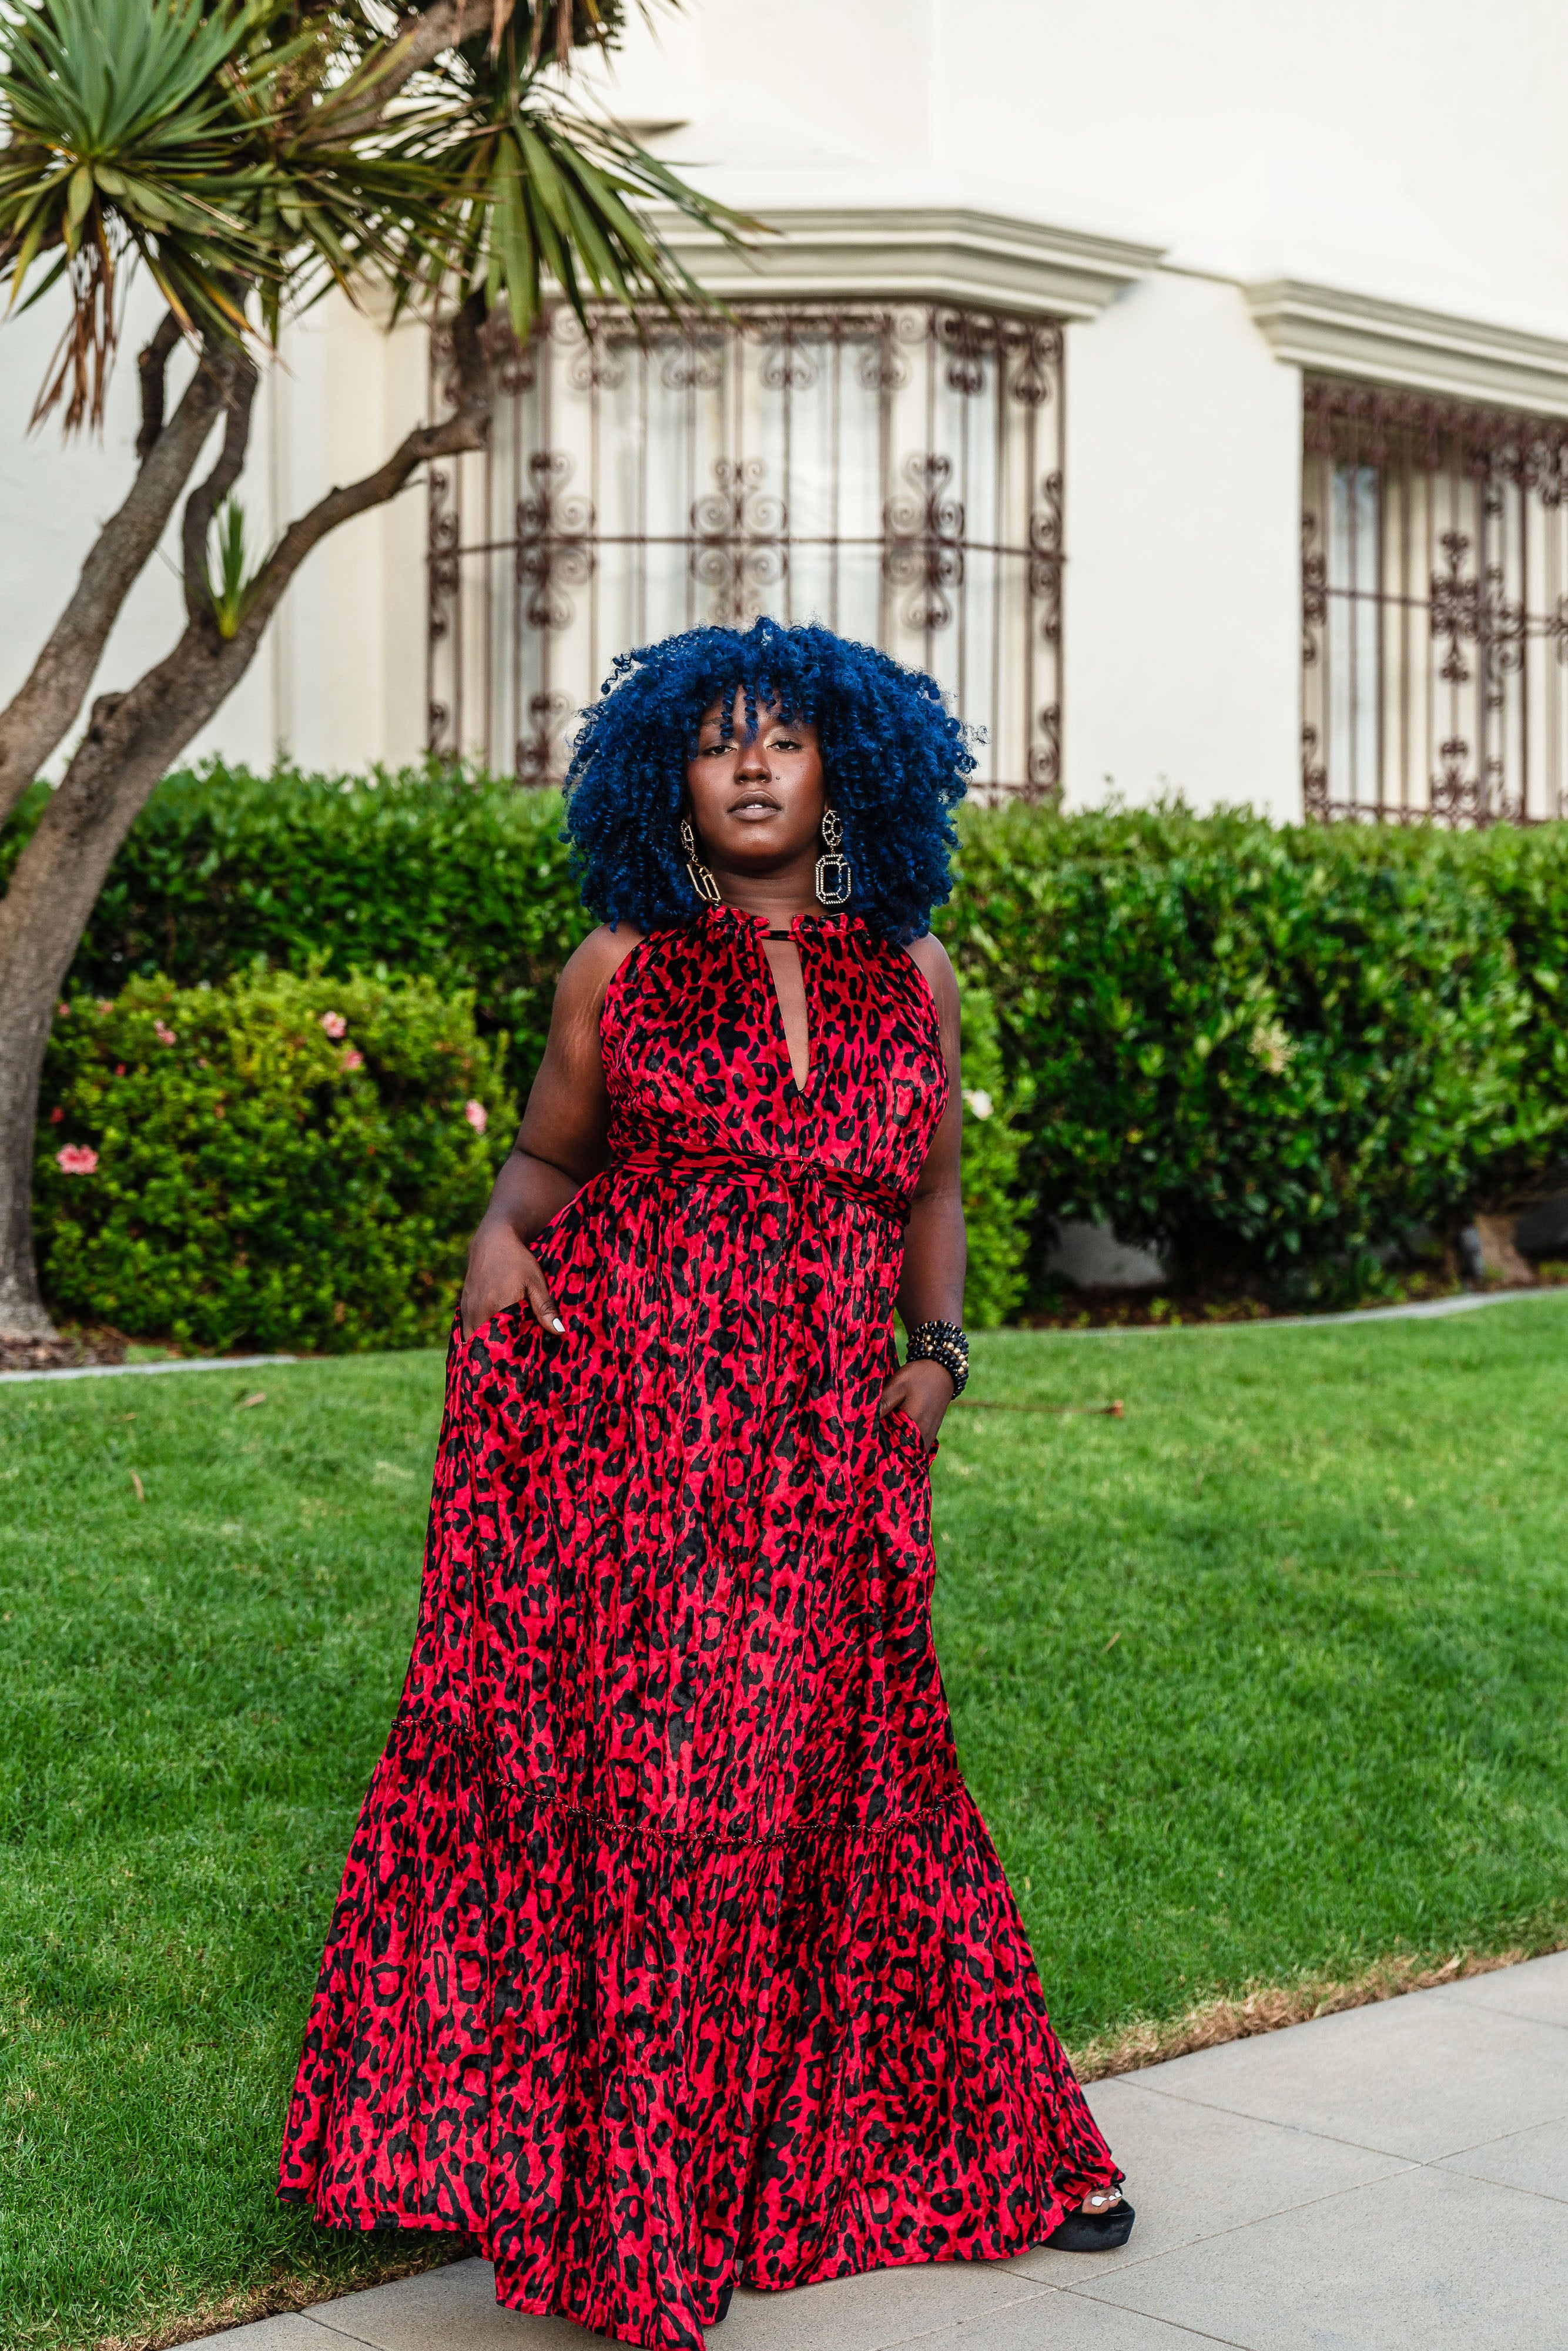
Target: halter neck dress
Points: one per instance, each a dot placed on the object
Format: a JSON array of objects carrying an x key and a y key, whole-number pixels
[{"x": 671, "y": 1949}]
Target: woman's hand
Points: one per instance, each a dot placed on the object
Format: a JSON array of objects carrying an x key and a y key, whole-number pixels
[
  {"x": 923, "y": 1391},
  {"x": 501, "y": 1271}
]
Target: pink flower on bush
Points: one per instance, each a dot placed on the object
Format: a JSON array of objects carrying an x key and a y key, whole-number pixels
[
  {"x": 120, "y": 1069},
  {"x": 56, "y": 1115},
  {"x": 76, "y": 1159},
  {"x": 334, "y": 1024},
  {"x": 106, "y": 1003},
  {"x": 164, "y": 1035},
  {"x": 478, "y": 1116},
  {"x": 62, "y": 1011},
  {"x": 353, "y": 1057}
]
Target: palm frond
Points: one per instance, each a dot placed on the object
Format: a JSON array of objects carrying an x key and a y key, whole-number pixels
[
  {"x": 233, "y": 591},
  {"x": 252, "y": 153},
  {"x": 119, "y": 118}
]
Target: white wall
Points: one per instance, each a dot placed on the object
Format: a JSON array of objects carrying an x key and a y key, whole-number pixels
[
  {"x": 1414, "y": 153},
  {"x": 1182, "y": 600},
  {"x": 1411, "y": 154},
  {"x": 340, "y": 678},
  {"x": 1363, "y": 146}
]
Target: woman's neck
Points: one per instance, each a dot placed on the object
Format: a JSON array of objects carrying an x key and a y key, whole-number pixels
[{"x": 782, "y": 897}]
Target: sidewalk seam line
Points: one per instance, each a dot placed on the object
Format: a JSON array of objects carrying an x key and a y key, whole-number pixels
[
  {"x": 969, "y": 2318},
  {"x": 1554, "y": 2023},
  {"x": 342, "y": 2332},
  {"x": 1504, "y": 2187},
  {"x": 1476, "y": 2146},
  {"x": 1330, "y": 2138},
  {"x": 1198, "y": 2334}
]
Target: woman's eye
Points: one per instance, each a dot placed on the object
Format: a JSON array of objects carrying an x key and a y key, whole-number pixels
[{"x": 784, "y": 743}]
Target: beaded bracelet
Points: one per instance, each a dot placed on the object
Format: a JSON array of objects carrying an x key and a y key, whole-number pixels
[{"x": 943, "y": 1343}]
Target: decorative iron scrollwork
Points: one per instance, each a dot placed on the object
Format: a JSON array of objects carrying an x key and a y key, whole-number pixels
[
  {"x": 724, "y": 467},
  {"x": 1468, "y": 609},
  {"x": 554, "y": 542},
  {"x": 540, "y": 752},
  {"x": 696, "y": 364},
  {"x": 738, "y": 530},
  {"x": 1457, "y": 798},
  {"x": 1314, "y": 592},
  {"x": 1037, "y": 349},
  {"x": 1314, "y": 778},
  {"x": 787, "y": 363},
  {"x": 1364, "y": 425},
  {"x": 1045, "y": 757},
  {"x": 1428, "y": 524},
  {"x": 923, "y": 535},
  {"x": 443, "y": 532},
  {"x": 1045, "y": 557}
]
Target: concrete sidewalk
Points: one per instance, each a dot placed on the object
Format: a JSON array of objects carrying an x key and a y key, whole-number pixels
[{"x": 1393, "y": 2179}]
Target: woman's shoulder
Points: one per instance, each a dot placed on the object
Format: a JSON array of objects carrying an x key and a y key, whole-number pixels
[
  {"x": 586, "y": 974},
  {"x": 930, "y": 959},
  {"x": 594, "y": 961}
]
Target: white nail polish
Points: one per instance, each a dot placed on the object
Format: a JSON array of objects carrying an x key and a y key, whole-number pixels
[{"x": 560, "y": 1326}]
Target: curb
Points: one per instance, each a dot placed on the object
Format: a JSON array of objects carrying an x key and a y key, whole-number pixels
[
  {"x": 130, "y": 1371},
  {"x": 1423, "y": 1309}
]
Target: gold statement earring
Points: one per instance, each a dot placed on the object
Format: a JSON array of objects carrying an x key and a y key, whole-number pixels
[
  {"x": 835, "y": 877},
  {"x": 703, "y": 882}
]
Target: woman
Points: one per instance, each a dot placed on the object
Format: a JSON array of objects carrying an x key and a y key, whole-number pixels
[{"x": 671, "y": 1949}]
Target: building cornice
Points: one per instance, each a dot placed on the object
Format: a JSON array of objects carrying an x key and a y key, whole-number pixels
[
  {"x": 941, "y": 252},
  {"x": 1336, "y": 333}
]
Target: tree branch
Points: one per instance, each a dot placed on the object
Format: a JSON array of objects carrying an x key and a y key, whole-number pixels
[
  {"x": 425, "y": 37},
  {"x": 468, "y": 428},
  {"x": 152, "y": 367},
  {"x": 239, "y": 398},
  {"x": 42, "y": 713},
  {"x": 131, "y": 741}
]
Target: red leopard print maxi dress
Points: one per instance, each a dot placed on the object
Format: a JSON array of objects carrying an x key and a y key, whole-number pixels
[{"x": 671, "y": 1949}]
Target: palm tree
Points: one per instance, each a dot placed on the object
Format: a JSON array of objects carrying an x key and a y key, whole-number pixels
[{"x": 249, "y": 155}]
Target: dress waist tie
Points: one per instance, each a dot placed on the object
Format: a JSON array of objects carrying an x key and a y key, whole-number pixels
[{"x": 797, "y": 1176}]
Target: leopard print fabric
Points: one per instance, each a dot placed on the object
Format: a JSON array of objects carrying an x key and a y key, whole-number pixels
[{"x": 671, "y": 1949}]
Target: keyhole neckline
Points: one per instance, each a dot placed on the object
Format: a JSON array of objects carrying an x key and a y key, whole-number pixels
[{"x": 800, "y": 1088}]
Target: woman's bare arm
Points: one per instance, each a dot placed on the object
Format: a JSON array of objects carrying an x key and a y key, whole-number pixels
[
  {"x": 932, "y": 1289},
  {"x": 560, "y": 1142}
]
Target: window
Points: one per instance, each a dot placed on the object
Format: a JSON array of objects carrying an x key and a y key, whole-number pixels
[
  {"x": 1435, "y": 609},
  {"x": 894, "y": 472}
]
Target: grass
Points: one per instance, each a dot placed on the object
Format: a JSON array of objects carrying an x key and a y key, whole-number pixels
[{"x": 1262, "y": 1684}]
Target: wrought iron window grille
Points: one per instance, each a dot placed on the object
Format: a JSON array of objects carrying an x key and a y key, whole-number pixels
[
  {"x": 891, "y": 470},
  {"x": 1435, "y": 609}
]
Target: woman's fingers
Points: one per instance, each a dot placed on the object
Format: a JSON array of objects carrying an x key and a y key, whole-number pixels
[{"x": 536, "y": 1291}]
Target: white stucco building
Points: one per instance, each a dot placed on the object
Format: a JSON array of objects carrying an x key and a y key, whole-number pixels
[{"x": 1189, "y": 387}]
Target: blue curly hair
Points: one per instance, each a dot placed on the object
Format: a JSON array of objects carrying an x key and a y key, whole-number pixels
[{"x": 895, "y": 758}]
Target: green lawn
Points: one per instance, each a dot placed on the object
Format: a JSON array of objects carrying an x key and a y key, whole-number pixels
[{"x": 1331, "y": 1725}]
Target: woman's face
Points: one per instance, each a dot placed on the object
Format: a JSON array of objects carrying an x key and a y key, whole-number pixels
[{"x": 757, "y": 804}]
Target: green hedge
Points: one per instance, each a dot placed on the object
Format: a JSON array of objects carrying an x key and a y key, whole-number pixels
[
  {"x": 275, "y": 1162},
  {"x": 997, "y": 1209},
  {"x": 425, "y": 871},
  {"x": 1273, "y": 1049}
]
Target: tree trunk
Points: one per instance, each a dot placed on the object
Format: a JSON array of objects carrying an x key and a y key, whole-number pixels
[
  {"x": 131, "y": 741},
  {"x": 43, "y": 712}
]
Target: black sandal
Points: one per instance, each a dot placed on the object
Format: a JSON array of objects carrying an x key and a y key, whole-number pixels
[
  {"x": 723, "y": 2310},
  {"x": 1093, "y": 2232}
]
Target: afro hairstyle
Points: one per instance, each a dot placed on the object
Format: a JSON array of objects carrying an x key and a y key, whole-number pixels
[{"x": 895, "y": 759}]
